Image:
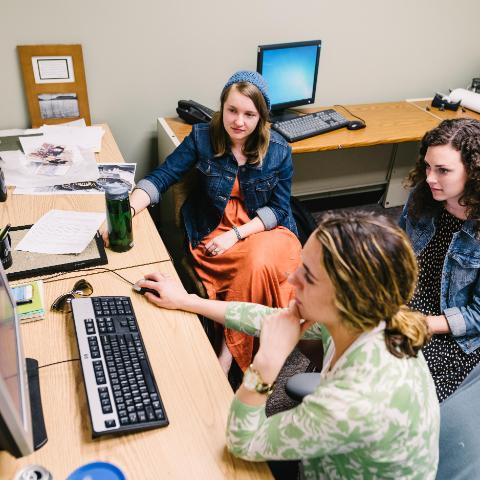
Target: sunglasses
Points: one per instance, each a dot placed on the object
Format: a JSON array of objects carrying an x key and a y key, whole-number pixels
[{"x": 82, "y": 288}]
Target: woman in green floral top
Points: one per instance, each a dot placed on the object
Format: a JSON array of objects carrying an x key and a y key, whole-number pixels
[{"x": 374, "y": 413}]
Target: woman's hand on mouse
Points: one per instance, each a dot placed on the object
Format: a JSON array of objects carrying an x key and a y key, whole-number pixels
[
  {"x": 222, "y": 243},
  {"x": 171, "y": 293}
]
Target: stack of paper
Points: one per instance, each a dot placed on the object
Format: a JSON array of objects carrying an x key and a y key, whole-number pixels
[
  {"x": 51, "y": 155},
  {"x": 35, "y": 310}
]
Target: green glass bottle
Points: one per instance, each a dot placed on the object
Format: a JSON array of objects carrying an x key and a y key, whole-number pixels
[{"x": 119, "y": 218}]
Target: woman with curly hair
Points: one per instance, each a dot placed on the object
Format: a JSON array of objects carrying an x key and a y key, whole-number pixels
[{"x": 441, "y": 218}]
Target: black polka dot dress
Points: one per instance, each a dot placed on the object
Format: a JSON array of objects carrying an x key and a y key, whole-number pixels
[{"x": 448, "y": 363}]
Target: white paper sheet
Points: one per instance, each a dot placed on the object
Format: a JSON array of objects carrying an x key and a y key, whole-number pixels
[
  {"x": 74, "y": 123},
  {"x": 62, "y": 231},
  {"x": 83, "y": 137}
]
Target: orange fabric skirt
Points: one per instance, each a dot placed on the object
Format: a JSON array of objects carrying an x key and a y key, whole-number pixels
[{"x": 253, "y": 270}]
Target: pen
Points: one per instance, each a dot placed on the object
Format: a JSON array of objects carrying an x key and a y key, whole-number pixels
[{"x": 4, "y": 232}]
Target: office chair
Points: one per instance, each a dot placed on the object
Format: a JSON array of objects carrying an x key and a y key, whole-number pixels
[{"x": 460, "y": 431}]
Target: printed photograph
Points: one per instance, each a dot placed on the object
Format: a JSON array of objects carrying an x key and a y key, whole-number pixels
[
  {"x": 58, "y": 105},
  {"x": 51, "y": 159}
]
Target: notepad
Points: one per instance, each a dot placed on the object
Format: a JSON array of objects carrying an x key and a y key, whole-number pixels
[{"x": 35, "y": 310}]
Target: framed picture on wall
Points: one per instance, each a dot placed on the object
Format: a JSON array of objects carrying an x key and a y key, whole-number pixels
[{"x": 55, "y": 86}]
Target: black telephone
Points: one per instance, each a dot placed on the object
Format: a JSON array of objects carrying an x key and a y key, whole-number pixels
[{"x": 192, "y": 112}]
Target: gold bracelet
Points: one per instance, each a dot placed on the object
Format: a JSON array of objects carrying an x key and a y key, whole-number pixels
[{"x": 253, "y": 382}]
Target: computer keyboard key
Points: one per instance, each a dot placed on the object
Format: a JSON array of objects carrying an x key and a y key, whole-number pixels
[
  {"x": 133, "y": 417},
  {"x": 110, "y": 423},
  {"x": 150, "y": 413}
]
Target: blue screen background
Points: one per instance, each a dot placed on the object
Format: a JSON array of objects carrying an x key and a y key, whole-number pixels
[{"x": 290, "y": 73}]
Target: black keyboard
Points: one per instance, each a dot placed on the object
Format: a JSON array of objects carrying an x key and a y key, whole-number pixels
[
  {"x": 310, "y": 125},
  {"x": 121, "y": 390}
]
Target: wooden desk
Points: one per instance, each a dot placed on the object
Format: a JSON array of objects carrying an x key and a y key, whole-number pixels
[
  {"x": 323, "y": 166},
  {"x": 391, "y": 122},
  {"x": 194, "y": 389},
  {"x": 445, "y": 114},
  {"x": 379, "y": 156},
  {"x": 26, "y": 210}
]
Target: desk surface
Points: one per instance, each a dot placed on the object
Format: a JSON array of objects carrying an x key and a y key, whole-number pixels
[
  {"x": 443, "y": 115},
  {"x": 391, "y": 122},
  {"x": 194, "y": 389},
  {"x": 26, "y": 210}
]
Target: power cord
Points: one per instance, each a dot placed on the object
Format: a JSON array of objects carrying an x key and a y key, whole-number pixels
[
  {"x": 56, "y": 363},
  {"x": 54, "y": 278},
  {"x": 352, "y": 114}
]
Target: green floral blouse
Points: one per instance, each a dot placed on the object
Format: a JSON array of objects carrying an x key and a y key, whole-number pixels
[{"x": 373, "y": 416}]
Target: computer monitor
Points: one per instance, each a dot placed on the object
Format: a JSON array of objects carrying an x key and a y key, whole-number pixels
[
  {"x": 17, "y": 434},
  {"x": 290, "y": 70}
]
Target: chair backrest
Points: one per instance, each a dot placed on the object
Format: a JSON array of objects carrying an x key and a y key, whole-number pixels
[
  {"x": 306, "y": 224},
  {"x": 460, "y": 432}
]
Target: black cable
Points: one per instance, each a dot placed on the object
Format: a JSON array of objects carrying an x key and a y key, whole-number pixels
[
  {"x": 54, "y": 278},
  {"x": 56, "y": 363},
  {"x": 352, "y": 114}
]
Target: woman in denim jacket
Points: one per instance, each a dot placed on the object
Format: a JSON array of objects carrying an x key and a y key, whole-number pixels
[
  {"x": 441, "y": 218},
  {"x": 239, "y": 224}
]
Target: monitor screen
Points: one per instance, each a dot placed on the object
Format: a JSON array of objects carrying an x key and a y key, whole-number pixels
[
  {"x": 15, "y": 416},
  {"x": 290, "y": 70}
]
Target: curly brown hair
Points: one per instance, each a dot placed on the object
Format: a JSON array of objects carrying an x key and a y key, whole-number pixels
[
  {"x": 463, "y": 134},
  {"x": 373, "y": 268}
]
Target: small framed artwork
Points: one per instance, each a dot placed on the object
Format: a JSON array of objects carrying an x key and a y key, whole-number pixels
[{"x": 55, "y": 86}]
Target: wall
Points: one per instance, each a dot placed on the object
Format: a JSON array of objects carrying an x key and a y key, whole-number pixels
[{"x": 142, "y": 56}]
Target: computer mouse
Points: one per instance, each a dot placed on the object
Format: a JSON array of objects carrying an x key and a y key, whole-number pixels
[
  {"x": 356, "y": 125},
  {"x": 143, "y": 290}
]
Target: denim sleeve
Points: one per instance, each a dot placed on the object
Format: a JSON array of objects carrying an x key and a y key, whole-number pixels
[
  {"x": 456, "y": 321},
  {"x": 276, "y": 210},
  {"x": 465, "y": 320},
  {"x": 171, "y": 171}
]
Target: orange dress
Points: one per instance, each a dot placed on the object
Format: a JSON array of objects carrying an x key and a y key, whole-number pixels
[{"x": 253, "y": 270}]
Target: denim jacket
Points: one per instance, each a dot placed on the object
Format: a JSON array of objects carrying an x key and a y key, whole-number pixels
[
  {"x": 266, "y": 188},
  {"x": 460, "y": 285}
]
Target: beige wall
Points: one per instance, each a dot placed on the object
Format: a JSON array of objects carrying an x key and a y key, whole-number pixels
[{"x": 142, "y": 56}]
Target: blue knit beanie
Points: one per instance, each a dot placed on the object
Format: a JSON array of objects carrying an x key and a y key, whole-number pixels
[{"x": 251, "y": 77}]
